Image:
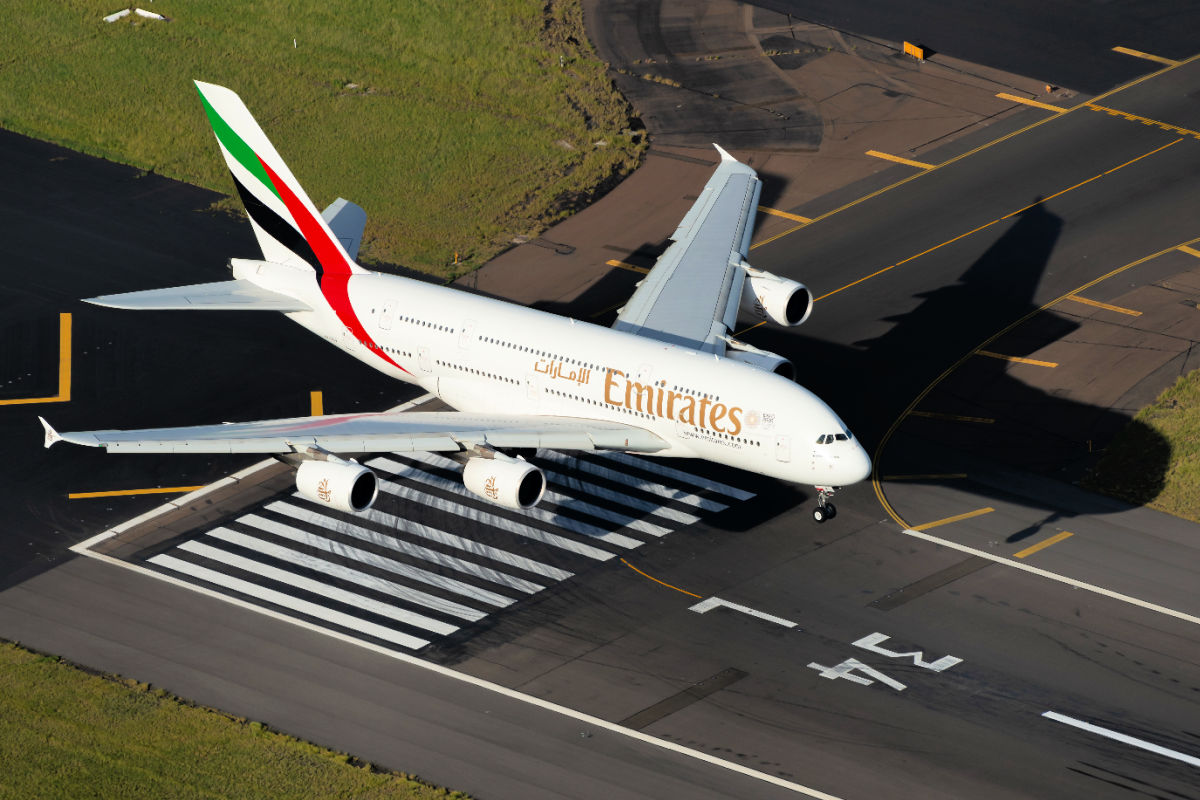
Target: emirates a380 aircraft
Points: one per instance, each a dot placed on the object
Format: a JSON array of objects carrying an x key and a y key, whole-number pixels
[{"x": 666, "y": 380}]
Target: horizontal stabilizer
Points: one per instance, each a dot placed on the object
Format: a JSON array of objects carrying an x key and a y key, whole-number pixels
[
  {"x": 347, "y": 221},
  {"x": 237, "y": 295}
]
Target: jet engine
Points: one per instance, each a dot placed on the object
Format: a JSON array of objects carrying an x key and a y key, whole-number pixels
[
  {"x": 780, "y": 300},
  {"x": 344, "y": 485},
  {"x": 509, "y": 482}
]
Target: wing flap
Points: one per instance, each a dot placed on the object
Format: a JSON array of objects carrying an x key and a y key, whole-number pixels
[
  {"x": 236, "y": 295},
  {"x": 374, "y": 433}
]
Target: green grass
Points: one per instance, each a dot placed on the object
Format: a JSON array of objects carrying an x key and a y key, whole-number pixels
[
  {"x": 1155, "y": 461},
  {"x": 457, "y": 126},
  {"x": 67, "y": 733}
]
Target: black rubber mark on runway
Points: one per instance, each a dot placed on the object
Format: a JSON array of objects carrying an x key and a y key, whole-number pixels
[
  {"x": 678, "y": 157},
  {"x": 929, "y": 583},
  {"x": 683, "y": 699}
]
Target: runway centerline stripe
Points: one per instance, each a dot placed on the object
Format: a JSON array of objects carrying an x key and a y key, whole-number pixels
[
  {"x": 1042, "y": 545},
  {"x": 295, "y": 557},
  {"x": 287, "y": 601},
  {"x": 1122, "y": 737},
  {"x": 367, "y": 557},
  {"x": 576, "y": 464},
  {"x": 1027, "y": 101},
  {"x": 956, "y": 518},
  {"x": 318, "y": 588},
  {"x": 686, "y": 478},
  {"x": 468, "y": 512}
]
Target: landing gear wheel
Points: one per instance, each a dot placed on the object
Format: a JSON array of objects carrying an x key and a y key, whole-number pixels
[
  {"x": 825, "y": 510},
  {"x": 819, "y": 514},
  {"x": 830, "y": 511}
]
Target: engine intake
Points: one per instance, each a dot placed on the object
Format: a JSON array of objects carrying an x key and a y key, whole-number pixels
[
  {"x": 509, "y": 482},
  {"x": 780, "y": 300},
  {"x": 344, "y": 485}
]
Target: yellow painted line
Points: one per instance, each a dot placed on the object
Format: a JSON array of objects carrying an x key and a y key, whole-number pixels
[
  {"x": 1166, "y": 126},
  {"x": 1028, "y": 102},
  {"x": 656, "y": 580},
  {"x": 952, "y": 417},
  {"x": 317, "y": 400},
  {"x": 64, "y": 369},
  {"x": 1170, "y": 62},
  {"x": 957, "y": 518},
  {"x": 1042, "y": 545},
  {"x": 612, "y": 262},
  {"x": 1105, "y": 306},
  {"x": 613, "y": 307},
  {"x": 999, "y": 219},
  {"x": 1191, "y": 251},
  {"x": 1016, "y": 359},
  {"x": 125, "y": 492},
  {"x": 930, "y": 477},
  {"x": 899, "y": 160},
  {"x": 775, "y": 212}
]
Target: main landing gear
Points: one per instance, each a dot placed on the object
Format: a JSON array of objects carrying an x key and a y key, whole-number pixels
[{"x": 825, "y": 509}]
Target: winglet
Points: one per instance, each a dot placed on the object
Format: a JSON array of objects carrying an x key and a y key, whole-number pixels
[
  {"x": 51, "y": 434},
  {"x": 724, "y": 155}
]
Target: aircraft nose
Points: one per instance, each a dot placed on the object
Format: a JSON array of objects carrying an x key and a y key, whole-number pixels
[{"x": 855, "y": 466}]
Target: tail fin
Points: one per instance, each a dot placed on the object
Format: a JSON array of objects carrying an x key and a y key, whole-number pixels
[{"x": 285, "y": 221}]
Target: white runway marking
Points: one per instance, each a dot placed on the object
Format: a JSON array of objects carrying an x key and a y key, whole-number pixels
[
  {"x": 715, "y": 602},
  {"x": 658, "y": 468},
  {"x": 575, "y": 464},
  {"x": 1123, "y": 738}
]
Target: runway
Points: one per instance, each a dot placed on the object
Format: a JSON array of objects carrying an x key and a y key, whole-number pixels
[{"x": 674, "y": 629}]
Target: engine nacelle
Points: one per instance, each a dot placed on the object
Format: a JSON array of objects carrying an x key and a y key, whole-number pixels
[
  {"x": 780, "y": 300},
  {"x": 505, "y": 481},
  {"x": 767, "y": 362},
  {"x": 344, "y": 485}
]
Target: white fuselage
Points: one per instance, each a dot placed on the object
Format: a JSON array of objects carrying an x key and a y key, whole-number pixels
[{"x": 484, "y": 355}]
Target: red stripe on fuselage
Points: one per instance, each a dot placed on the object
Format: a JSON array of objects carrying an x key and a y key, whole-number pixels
[{"x": 335, "y": 269}]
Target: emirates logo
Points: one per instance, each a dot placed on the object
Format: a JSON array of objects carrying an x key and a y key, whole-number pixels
[
  {"x": 489, "y": 488},
  {"x": 323, "y": 490}
]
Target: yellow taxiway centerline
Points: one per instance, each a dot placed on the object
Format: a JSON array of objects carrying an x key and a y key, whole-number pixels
[
  {"x": 1105, "y": 306},
  {"x": 951, "y": 417},
  {"x": 1028, "y": 102},
  {"x": 656, "y": 580},
  {"x": 957, "y": 518},
  {"x": 126, "y": 492},
  {"x": 1170, "y": 62},
  {"x": 899, "y": 160},
  {"x": 929, "y": 477},
  {"x": 1017, "y": 359},
  {"x": 1191, "y": 251},
  {"x": 774, "y": 212},
  {"x": 1042, "y": 545},
  {"x": 64, "y": 369}
]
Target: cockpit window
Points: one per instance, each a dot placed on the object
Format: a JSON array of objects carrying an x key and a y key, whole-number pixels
[
  {"x": 841, "y": 437},
  {"x": 821, "y": 439}
]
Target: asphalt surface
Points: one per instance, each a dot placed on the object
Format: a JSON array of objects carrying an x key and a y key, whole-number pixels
[{"x": 1100, "y": 627}]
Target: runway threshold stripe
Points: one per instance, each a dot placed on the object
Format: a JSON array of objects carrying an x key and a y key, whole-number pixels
[
  {"x": 686, "y": 478},
  {"x": 576, "y": 464},
  {"x": 1027, "y": 101},
  {"x": 287, "y": 601},
  {"x": 318, "y": 588},
  {"x": 1042, "y": 545},
  {"x": 474, "y": 514},
  {"x": 296, "y": 558},
  {"x": 957, "y": 518},
  {"x": 899, "y": 160},
  {"x": 595, "y": 490},
  {"x": 563, "y": 501},
  {"x": 380, "y": 561},
  {"x": 1123, "y": 738}
]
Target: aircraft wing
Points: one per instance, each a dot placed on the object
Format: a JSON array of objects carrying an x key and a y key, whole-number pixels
[
  {"x": 374, "y": 433},
  {"x": 691, "y": 295},
  {"x": 236, "y": 295}
]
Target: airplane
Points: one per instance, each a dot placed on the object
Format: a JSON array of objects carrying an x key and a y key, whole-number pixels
[{"x": 667, "y": 379}]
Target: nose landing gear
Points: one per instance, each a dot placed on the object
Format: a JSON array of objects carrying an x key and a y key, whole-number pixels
[{"x": 825, "y": 509}]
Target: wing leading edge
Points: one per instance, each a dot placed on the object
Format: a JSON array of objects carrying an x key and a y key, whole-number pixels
[
  {"x": 373, "y": 433},
  {"x": 691, "y": 296}
]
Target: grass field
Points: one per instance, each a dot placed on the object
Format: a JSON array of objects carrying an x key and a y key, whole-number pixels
[
  {"x": 67, "y": 733},
  {"x": 1166, "y": 432},
  {"x": 457, "y": 126}
]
